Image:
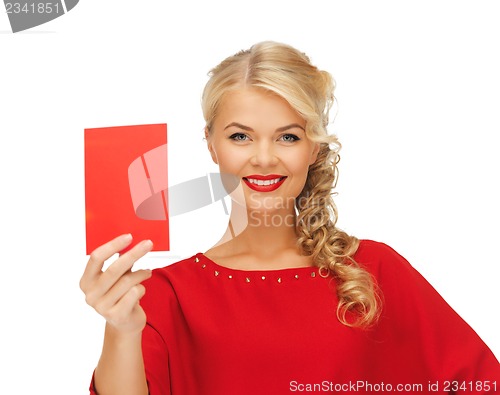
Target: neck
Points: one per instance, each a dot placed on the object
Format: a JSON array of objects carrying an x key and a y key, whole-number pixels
[{"x": 260, "y": 233}]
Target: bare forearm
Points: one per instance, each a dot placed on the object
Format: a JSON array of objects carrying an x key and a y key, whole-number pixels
[{"x": 120, "y": 370}]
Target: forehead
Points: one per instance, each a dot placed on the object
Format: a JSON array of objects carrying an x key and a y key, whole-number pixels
[{"x": 256, "y": 107}]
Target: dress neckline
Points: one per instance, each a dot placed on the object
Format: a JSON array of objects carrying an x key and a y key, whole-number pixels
[{"x": 278, "y": 275}]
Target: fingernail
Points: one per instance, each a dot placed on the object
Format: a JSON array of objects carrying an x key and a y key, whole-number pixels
[
  {"x": 127, "y": 237},
  {"x": 147, "y": 243}
]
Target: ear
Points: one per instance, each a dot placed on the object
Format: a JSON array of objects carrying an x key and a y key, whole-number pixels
[
  {"x": 210, "y": 146},
  {"x": 314, "y": 154}
]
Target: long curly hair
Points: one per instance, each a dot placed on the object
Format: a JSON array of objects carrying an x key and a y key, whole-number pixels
[{"x": 289, "y": 73}]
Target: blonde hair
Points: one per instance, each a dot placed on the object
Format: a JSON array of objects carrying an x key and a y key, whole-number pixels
[{"x": 281, "y": 69}]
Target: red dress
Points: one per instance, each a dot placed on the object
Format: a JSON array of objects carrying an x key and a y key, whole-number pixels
[{"x": 212, "y": 330}]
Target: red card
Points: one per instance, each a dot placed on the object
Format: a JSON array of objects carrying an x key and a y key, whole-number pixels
[{"x": 126, "y": 184}]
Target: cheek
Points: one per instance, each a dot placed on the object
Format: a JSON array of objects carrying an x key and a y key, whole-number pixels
[
  {"x": 300, "y": 173},
  {"x": 299, "y": 169},
  {"x": 229, "y": 160},
  {"x": 298, "y": 163}
]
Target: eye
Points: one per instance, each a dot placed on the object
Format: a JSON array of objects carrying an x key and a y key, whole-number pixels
[
  {"x": 289, "y": 138},
  {"x": 238, "y": 137}
]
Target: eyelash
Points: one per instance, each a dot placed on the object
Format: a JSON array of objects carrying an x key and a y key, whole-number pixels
[
  {"x": 236, "y": 137},
  {"x": 293, "y": 136}
]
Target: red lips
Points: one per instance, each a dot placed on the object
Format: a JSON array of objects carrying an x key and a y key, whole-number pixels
[{"x": 252, "y": 181}]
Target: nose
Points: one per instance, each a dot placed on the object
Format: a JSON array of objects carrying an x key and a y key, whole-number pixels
[{"x": 264, "y": 155}]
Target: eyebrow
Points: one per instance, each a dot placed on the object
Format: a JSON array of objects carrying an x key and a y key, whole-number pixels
[{"x": 281, "y": 129}]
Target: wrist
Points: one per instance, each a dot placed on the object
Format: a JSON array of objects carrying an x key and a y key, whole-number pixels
[{"x": 122, "y": 337}]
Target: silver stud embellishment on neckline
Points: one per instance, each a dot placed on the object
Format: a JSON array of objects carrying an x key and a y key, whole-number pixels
[
  {"x": 263, "y": 277},
  {"x": 279, "y": 280},
  {"x": 203, "y": 266},
  {"x": 216, "y": 273},
  {"x": 196, "y": 259},
  {"x": 313, "y": 274},
  {"x": 247, "y": 280},
  {"x": 296, "y": 276}
]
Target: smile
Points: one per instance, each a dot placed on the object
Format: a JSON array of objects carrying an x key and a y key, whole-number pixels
[{"x": 264, "y": 183}]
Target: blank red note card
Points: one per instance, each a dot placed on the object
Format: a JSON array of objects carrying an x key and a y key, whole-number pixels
[{"x": 126, "y": 184}]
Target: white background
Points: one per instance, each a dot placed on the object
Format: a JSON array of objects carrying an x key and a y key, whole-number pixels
[{"x": 418, "y": 116}]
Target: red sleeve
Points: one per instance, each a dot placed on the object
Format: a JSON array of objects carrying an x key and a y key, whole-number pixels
[
  {"x": 92, "y": 387},
  {"x": 156, "y": 303},
  {"x": 421, "y": 322},
  {"x": 159, "y": 304},
  {"x": 155, "y": 355}
]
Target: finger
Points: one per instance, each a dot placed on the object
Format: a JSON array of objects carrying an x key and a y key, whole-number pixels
[
  {"x": 121, "y": 313},
  {"x": 126, "y": 282},
  {"x": 100, "y": 255},
  {"x": 123, "y": 265}
]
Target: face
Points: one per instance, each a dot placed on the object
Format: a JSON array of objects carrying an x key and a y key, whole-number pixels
[{"x": 259, "y": 138}]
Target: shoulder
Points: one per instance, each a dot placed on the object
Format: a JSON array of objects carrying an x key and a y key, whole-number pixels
[
  {"x": 391, "y": 270},
  {"x": 182, "y": 267},
  {"x": 398, "y": 281},
  {"x": 374, "y": 249},
  {"x": 181, "y": 270},
  {"x": 416, "y": 318},
  {"x": 375, "y": 256},
  {"x": 166, "y": 282}
]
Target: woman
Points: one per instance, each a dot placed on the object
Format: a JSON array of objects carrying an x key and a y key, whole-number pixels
[{"x": 284, "y": 302}]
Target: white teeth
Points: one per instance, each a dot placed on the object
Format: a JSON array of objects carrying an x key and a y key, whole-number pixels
[{"x": 263, "y": 182}]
